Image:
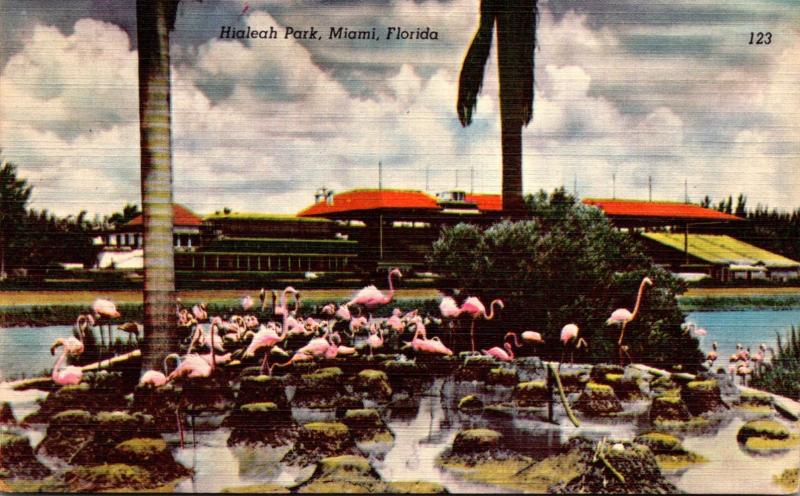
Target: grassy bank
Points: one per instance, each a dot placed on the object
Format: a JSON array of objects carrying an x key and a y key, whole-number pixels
[
  {"x": 689, "y": 303},
  {"x": 64, "y": 313}
]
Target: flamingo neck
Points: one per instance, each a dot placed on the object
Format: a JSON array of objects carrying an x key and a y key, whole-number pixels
[
  {"x": 57, "y": 365},
  {"x": 390, "y": 294},
  {"x": 639, "y": 299},
  {"x": 516, "y": 339},
  {"x": 491, "y": 309},
  {"x": 509, "y": 349}
]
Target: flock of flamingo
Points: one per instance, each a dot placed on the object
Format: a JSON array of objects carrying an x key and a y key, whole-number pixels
[{"x": 334, "y": 332}]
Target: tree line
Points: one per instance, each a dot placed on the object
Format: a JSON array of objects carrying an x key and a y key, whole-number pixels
[{"x": 33, "y": 241}]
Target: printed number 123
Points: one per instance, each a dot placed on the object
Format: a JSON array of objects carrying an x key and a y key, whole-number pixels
[{"x": 760, "y": 38}]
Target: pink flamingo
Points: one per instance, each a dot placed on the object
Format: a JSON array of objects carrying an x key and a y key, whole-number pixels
[
  {"x": 343, "y": 313},
  {"x": 712, "y": 355},
  {"x": 316, "y": 346},
  {"x": 622, "y": 316},
  {"x": 200, "y": 312},
  {"x": 474, "y": 307},
  {"x": 69, "y": 376},
  {"x": 341, "y": 349},
  {"x": 357, "y": 323},
  {"x": 375, "y": 339},
  {"x": 395, "y": 323},
  {"x": 569, "y": 333},
  {"x": 246, "y": 302},
  {"x": 420, "y": 342},
  {"x": 105, "y": 309},
  {"x": 450, "y": 311},
  {"x": 504, "y": 355},
  {"x": 72, "y": 346},
  {"x": 533, "y": 338},
  {"x": 156, "y": 378},
  {"x": 371, "y": 297}
]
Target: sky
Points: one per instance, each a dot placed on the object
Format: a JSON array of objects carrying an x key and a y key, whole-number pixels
[{"x": 625, "y": 89}]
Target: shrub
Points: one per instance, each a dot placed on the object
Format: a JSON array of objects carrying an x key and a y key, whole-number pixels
[
  {"x": 567, "y": 264},
  {"x": 782, "y": 375}
]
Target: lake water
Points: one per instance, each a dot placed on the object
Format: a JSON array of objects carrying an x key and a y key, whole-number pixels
[{"x": 26, "y": 350}]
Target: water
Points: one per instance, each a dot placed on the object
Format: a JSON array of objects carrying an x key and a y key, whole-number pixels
[
  {"x": 26, "y": 350},
  {"x": 750, "y": 328}
]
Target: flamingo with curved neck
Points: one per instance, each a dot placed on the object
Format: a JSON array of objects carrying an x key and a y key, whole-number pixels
[{"x": 622, "y": 316}]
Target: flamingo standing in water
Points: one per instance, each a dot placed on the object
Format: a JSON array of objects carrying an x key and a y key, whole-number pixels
[
  {"x": 375, "y": 339},
  {"x": 621, "y": 316},
  {"x": 157, "y": 378},
  {"x": 105, "y": 309},
  {"x": 67, "y": 376},
  {"x": 474, "y": 307},
  {"x": 450, "y": 311},
  {"x": 371, "y": 297},
  {"x": 504, "y": 355},
  {"x": 569, "y": 333},
  {"x": 712, "y": 355},
  {"x": 420, "y": 342}
]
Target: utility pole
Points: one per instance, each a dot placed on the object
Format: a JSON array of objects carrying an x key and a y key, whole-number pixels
[
  {"x": 650, "y": 188},
  {"x": 380, "y": 175},
  {"x": 427, "y": 177},
  {"x": 380, "y": 216},
  {"x": 685, "y": 190},
  {"x": 472, "y": 179},
  {"x": 575, "y": 185}
]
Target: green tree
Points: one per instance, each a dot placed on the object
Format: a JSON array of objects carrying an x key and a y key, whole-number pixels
[
  {"x": 516, "y": 36},
  {"x": 14, "y": 195},
  {"x": 129, "y": 212},
  {"x": 567, "y": 264},
  {"x": 154, "y": 21}
]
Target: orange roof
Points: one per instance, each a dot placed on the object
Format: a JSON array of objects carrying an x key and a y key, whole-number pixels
[
  {"x": 371, "y": 199},
  {"x": 640, "y": 208},
  {"x": 182, "y": 216},
  {"x": 486, "y": 202}
]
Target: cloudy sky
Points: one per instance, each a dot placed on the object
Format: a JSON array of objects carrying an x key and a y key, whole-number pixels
[{"x": 632, "y": 88}]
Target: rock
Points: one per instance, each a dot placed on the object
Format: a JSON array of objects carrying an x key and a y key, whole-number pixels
[
  {"x": 320, "y": 389},
  {"x": 110, "y": 429},
  {"x": 789, "y": 480},
  {"x": 366, "y": 425},
  {"x": 662, "y": 385},
  {"x": 108, "y": 476},
  {"x": 262, "y": 388},
  {"x": 573, "y": 381},
  {"x": 67, "y": 433},
  {"x": 626, "y": 388},
  {"x": 531, "y": 393},
  {"x": 261, "y": 423},
  {"x": 343, "y": 474},
  {"x": 159, "y": 402},
  {"x": 669, "y": 407},
  {"x": 598, "y": 399},
  {"x": 600, "y": 370},
  {"x": 78, "y": 397},
  {"x": 374, "y": 384},
  {"x": 403, "y": 375},
  {"x": 702, "y": 396},
  {"x": 766, "y": 436},
  {"x": 7, "y": 414},
  {"x": 415, "y": 487},
  {"x": 475, "y": 368},
  {"x": 256, "y": 489},
  {"x": 635, "y": 464},
  {"x": 476, "y": 440},
  {"x": 501, "y": 376},
  {"x": 345, "y": 403},
  {"x": 151, "y": 454},
  {"x": 317, "y": 440},
  {"x": 661, "y": 443},
  {"x": 17, "y": 458},
  {"x": 470, "y": 404}
]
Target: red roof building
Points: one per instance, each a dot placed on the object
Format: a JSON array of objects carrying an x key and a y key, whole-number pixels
[
  {"x": 182, "y": 217},
  {"x": 365, "y": 200},
  {"x": 639, "y": 213},
  {"x": 186, "y": 231}
]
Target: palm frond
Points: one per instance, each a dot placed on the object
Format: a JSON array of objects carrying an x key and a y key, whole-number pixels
[{"x": 470, "y": 80}]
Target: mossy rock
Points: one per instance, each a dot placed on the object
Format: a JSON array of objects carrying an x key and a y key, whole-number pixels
[
  {"x": 66, "y": 433},
  {"x": 415, "y": 487},
  {"x": 402, "y": 375},
  {"x": 317, "y": 440},
  {"x": 261, "y": 388},
  {"x": 363, "y": 419},
  {"x": 766, "y": 435},
  {"x": 662, "y": 384},
  {"x": 499, "y": 411},
  {"x": 158, "y": 402},
  {"x": 345, "y": 403},
  {"x": 108, "y": 476},
  {"x": 755, "y": 398},
  {"x": 668, "y": 407},
  {"x": 470, "y": 403},
  {"x": 374, "y": 384},
  {"x": 343, "y": 474},
  {"x": 256, "y": 489},
  {"x": 261, "y": 423},
  {"x": 7, "y": 414},
  {"x": 320, "y": 389},
  {"x": 598, "y": 399},
  {"x": 626, "y": 388},
  {"x": 152, "y": 454},
  {"x": 600, "y": 372},
  {"x": 78, "y": 397},
  {"x": 573, "y": 381},
  {"x": 475, "y": 368},
  {"x": 17, "y": 458},
  {"x": 110, "y": 429},
  {"x": 635, "y": 463},
  {"x": 531, "y": 393},
  {"x": 476, "y": 440},
  {"x": 501, "y": 376},
  {"x": 789, "y": 479},
  {"x": 702, "y": 396},
  {"x": 661, "y": 443}
]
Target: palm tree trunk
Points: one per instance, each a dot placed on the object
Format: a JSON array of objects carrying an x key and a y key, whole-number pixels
[
  {"x": 515, "y": 34},
  {"x": 154, "y": 21}
]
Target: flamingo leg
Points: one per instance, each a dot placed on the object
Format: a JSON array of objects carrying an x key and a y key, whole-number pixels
[
  {"x": 472, "y": 335},
  {"x": 180, "y": 424},
  {"x": 563, "y": 352},
  {"x": 265, "y": 362}
]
